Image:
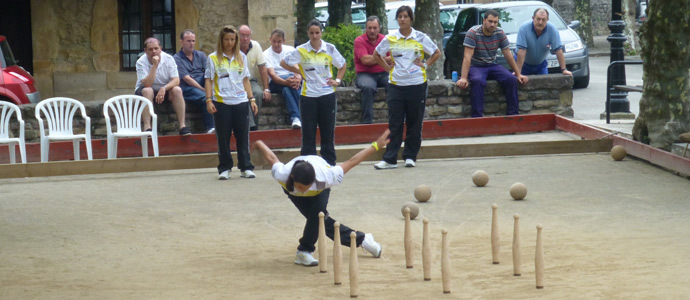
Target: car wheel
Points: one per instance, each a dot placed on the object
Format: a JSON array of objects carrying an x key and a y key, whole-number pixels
[{"x": 581, "y": 82}]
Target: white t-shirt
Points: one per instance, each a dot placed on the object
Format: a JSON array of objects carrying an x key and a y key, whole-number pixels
[
  {"x": 273, "y": 60},
  {"x": 166, "y": 71},
  {"x": 326, "y": 175}
]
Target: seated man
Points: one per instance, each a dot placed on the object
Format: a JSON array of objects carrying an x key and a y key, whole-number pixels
[
  {"x": 191, "y": 66},
  {"x": 534, "y": 42},
  {"x": 157, "y": 77},
  {"x": 281, "y": 80},
  {"x": 370, "y": 76},
  {"x": 481, "y": 43},
  {"x": 257, "y": 72}
]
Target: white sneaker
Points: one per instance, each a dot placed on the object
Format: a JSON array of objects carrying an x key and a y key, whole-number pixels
[
  {"x": 384, "y": 165},
  {"x": 304, "y": 258},
  {"x": 409, "y": 163},
  {"x": 212, "y": 130},
  {"x": 296, "y": 123},
  {"x": 248, "y": 174},
  {"x": 225, "y": 175},
  {"x": 371, "y": 246}
]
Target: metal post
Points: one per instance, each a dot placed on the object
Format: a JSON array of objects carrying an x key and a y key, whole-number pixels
[{"x": 619, "y": 99}]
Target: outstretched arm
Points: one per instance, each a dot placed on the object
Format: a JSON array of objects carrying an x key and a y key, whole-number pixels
[
  {"x": 266, "y": 152},
  {"x": 381, "y": 142}
]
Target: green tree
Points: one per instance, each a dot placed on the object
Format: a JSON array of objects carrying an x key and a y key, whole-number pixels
[
  {"x": 378, "y": 8},
  {"x": 665, "y": 50},
  {"x": 343, "y": 37},
  {"x": 427, "y": 20},
  {"x": 339, "y": 12},
  {"x": 583, "y": 13},
  {"x": 304, "y": 12}
]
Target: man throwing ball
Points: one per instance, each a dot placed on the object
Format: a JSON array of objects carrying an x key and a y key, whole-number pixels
[{"x": 307, "y": 181}]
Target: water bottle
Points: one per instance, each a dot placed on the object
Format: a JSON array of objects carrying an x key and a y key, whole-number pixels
[{"x": 455, "y": 76}]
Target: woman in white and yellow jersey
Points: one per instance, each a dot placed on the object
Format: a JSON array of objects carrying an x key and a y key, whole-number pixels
[
  {"x": 317, "y": 102},
  {"x": 406, "y": 96},
  {"x": 229, "y": 98}
]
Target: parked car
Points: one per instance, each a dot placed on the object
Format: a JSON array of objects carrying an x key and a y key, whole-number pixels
[
  {"x": 448, "y": 15},
  {"x": 641, "y": 11},
  {"x": 512, "y": 15},
  {"x": 359, "y": 13},
  {"x": 16, "y": 84}
]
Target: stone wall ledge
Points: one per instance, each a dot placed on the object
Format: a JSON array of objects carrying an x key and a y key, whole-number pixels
[{"x": 542, "y": 94}]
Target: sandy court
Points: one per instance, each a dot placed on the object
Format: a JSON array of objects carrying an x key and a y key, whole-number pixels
[{"x": 612, "y": 230}]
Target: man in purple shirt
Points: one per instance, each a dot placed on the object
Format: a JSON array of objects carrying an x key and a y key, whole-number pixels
[
  {"x": 479, "y": 64},
  {"x": 370, "y": 76}
]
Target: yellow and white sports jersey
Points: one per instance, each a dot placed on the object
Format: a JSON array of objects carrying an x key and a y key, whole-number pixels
[
  {"x": 227, "y": 76},
  {"x": 404, "y": 50},
  {"x": 315, "y": 67},
  {"x": 326, "y": 175}
]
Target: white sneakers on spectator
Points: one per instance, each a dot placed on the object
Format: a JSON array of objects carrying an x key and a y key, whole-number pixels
[
  {"x": 248, "y": 174},
  {"x": 409, "y": 163},
  {"x": 296, "y": 123},
  {"x": 225, "y": 175},
  {"x": 371, "y": 246},
  {"x": 304, "y": 258},
  {"x": 384, "y": 165}
]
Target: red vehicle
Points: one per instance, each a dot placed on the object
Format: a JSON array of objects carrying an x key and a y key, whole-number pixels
[{"x": 16, "y": 84}]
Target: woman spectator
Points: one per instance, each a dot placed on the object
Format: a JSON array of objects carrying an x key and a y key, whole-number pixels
[{"x": 406, "y": 96}]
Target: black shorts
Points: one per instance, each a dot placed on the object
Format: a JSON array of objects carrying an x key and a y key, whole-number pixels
[{"x": 155, "y": 92}]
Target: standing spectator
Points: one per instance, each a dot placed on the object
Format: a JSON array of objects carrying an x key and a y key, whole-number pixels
[
  {"x": 258, "y": 77},
  {"x": 317, "y": 103},
  {"x": 479, "y": 64},
  {"x": 156, "y": 75},
  {"x": 229, "y": 97},
  {"x": 370, "y": 76},
  {"x": 406, "y": 94},
  {"x": 191, "y": 66},
  {"x": 283, "y": 81},
  {"x": 535, "y": 40}
]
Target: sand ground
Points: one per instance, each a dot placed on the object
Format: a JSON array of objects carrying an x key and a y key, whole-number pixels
[{"x": 612, "y": 230}]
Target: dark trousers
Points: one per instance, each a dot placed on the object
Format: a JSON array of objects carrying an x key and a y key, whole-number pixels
[
  {"x": 232, "y": 119},
  {"x": 369, "y": 84},
  {"x": 197, "y": 97},
  {"x": 319, "y": 111},
  {"x": 478, "y": 77},
  {"x": 310, "y": 207},
  {"x": 405, "y": 106}
]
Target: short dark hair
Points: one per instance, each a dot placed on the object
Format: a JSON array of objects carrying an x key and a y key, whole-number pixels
[
  {"x": 185, "y": 32},
  {"x": 279, "y": 32},
  {"x": 542, "y": 9},
  {"x": 490, "y": 12},
  {"x": 373, "y": 18},
  {"x": 302, "y": 172},
  {"x": 315, "y": 22},
  {"x": 407, "y": 9}
]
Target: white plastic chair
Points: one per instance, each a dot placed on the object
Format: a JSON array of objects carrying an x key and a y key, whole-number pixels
[
  {"x": 59, "y": 113},
  {"x": 127, "y": 110},
  {"x": 6, "y": 111}
]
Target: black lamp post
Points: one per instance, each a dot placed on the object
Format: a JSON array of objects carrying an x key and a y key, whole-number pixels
[{"x": 619, "y": 99}]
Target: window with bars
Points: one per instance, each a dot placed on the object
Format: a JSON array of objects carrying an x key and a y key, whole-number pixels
[{"x": 141, "y": 19}]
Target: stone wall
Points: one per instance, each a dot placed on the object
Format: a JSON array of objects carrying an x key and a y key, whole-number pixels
[
  {"x": 601, "y": 14},
  {"x": 543, "y": 94}
]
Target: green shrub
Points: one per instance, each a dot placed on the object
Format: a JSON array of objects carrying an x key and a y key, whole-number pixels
[{"x": 343, "y": 37}]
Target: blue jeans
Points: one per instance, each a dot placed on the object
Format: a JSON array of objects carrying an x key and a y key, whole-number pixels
[
  {"x": 197, "y": 97},
  {"x": 528, "y": 69},
  {"x": 290, "y": 95},
  {"x": 477, "y": 79}
]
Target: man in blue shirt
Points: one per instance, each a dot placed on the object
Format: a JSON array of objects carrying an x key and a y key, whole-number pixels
[
  {"x": 535, "y": 40},
  {"x": 191, "y": 66}
]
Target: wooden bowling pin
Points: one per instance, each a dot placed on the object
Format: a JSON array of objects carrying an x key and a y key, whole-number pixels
[
  {"x": 337, "y": 255},
  {"x": 426, "y": 251},
  {"x": 516, "y": 245},
  {"x": 323, "y": 255},
  {"x": 408, "y": 239},
  {"x": 495, "y": 246},
  {"x": 354, "y": 266},
  {"x": 539, "y": 259},
  {"x": 445, "y": 262}
]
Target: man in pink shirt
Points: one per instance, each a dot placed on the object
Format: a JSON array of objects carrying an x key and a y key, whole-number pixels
[{"x": 370, "y": 76}]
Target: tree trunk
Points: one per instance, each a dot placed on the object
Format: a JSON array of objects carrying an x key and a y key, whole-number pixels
[
  {"x": 665, "y": 50},
  {"x": 304, "y": 14},
  {"x": 378, "y": 8},
  {"x": 427, "y": 20},
  {"x": 339, "y": 12},
  {"x": 632, "y": 42},
  {"x": 583, "y": 13}
]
